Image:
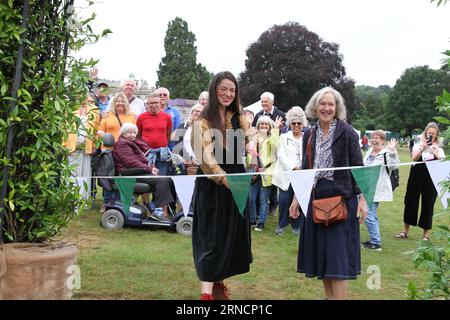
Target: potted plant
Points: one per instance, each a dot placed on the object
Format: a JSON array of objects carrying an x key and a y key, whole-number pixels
[{"x": 41, "y": 84}]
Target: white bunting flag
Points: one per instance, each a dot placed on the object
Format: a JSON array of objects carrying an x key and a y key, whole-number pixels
[
  {"x": 184, "y": 185},
  {"x": 302, "y": 182},
  {"x": 440, "y": 171}
]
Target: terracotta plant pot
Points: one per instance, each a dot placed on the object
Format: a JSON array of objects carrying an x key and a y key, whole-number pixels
[{"x": 36, "y": 271}]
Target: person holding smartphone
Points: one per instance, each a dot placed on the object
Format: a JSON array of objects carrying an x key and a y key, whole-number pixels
[{"x": 420, "y": 183}]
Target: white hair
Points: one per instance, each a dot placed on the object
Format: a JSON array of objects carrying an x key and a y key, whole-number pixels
[
  {"x": 126, "y": 127},
  {"x": 313, "y": 104},
  {"x": 268, "y": 95},
  {"x": 265, "y": 119},
  {"x": 204, "y": 94},
  {"x": 296, "y": 113},
  {"x": 128, "y": 80}
]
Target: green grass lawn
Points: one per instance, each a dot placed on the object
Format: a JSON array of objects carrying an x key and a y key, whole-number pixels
[{"x": 157, "y": 263}]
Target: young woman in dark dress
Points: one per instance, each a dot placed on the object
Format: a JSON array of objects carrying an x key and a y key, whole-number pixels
[
  {"x": 331, "y": 253},
  {"x": 221, "y": 236}
]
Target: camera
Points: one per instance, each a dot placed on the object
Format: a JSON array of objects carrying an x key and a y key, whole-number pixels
[{"x": 429, "y": 140}]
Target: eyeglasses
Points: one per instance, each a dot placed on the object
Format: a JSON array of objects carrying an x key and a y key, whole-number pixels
[
  {"x": 163, "y": 94},
  {"x": 296, "y": 123}
]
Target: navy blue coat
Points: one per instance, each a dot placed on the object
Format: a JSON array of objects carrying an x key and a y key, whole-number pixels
[{"x": 346, "y": 153}]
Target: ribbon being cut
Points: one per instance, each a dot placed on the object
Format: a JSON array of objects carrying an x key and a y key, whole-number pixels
[{"x": 302, "y": 182}]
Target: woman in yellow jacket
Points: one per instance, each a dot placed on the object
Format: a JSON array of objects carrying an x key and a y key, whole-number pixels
[
  {"x": 118, "y": 115},
  {"x": 81, "y": 145},
  {"x": 263, "y": 159}
]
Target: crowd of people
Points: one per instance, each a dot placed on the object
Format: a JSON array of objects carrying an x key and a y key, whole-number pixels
[{"x": 271, "y": 142}]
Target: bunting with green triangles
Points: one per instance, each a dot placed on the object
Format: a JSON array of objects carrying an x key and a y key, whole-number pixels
[
  {"x": 240, "y": 187},
  {"x": 126, "y": 188},
  {"x": 301, "y": 181},
  {"x": 367, "y": 180}
]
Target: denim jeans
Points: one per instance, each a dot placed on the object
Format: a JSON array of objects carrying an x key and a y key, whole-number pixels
[
  {"x": 263, "y": 192},
  {"x": 283, "y": 209},
  {"x": 110, "y": 196},
  {"x": 372, "y": 224},
  {"x": 273, "y": 198},
  {"x": 163, "y": 166}
]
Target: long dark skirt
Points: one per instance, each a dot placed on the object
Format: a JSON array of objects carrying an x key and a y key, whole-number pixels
[
  {"x": 332, "y": 252},
  {"x": 220, "y": 235}
]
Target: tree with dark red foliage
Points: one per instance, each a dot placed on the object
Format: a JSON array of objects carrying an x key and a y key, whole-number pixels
[{"x": 292, "y": 62}]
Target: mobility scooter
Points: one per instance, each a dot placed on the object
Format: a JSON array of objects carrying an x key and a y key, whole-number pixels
[{"x": 115, "y": 216}]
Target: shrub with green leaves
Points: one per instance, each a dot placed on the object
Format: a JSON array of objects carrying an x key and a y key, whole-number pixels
[
  {"x": 41, "y": 196},
  {"x": 435, "y": 260}
]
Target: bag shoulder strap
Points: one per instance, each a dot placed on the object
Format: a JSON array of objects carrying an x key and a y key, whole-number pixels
[
  {"x": 385, "y": 162},
  {"x": 309, "y": 148},
  {"x": 118, "y": 119},
  {"x": 309, "y": 154}
]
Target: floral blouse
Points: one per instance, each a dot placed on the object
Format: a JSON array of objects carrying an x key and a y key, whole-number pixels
[{"x": 323, "y": 157}]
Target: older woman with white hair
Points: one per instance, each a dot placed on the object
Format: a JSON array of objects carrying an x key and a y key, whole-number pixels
[
  {"x": 262, "y": 158},
  {"x": 331, "y": 252},
  {"x": 130, "y": 160},
  {"x": 203, "y": 98},
  {"x": 289, "y": 156}
]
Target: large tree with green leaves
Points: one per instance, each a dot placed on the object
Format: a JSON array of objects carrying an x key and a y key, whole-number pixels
[
  {"x": 372, "y": 104},
  {"x": 179, "y": 70},
  {"x": 412, "y": 103},
  {"x": 292, "y": 62}
]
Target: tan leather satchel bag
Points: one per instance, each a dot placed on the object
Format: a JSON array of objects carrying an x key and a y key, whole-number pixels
[{"x": 329, "y": 210}]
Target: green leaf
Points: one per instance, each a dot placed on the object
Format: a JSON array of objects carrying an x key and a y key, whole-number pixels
[
  {"x": 442, "y": 120},
  {"x": 3, "y": 89},
  {"x": 39, "y": 175},
  {"x": 106, "y": 32}
]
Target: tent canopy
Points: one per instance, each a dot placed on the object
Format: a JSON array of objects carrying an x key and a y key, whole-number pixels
[{"x": 255, "y": 107}]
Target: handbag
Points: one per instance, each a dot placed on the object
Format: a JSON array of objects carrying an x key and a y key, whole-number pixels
[
  {"x": 329, "y": 210},
  {"x": 326, "y": 210},
  {"x": 394, "y": 175}
]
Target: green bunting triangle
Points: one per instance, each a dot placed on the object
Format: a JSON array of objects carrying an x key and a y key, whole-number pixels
[
  {"x": 239, "y": 187},
  {"x": 126, "y": 188},
  {"x": 367, "y": 179}
]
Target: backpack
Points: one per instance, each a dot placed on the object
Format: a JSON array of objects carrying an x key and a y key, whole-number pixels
[
  {"x": 103, "y": 165},
  {"x": 394, "y": 175}
]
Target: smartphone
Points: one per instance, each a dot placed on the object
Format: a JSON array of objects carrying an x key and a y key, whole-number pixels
[{"x": 429, "y": 140}]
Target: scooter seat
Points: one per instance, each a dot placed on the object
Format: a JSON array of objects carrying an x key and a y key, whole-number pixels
[{"x": 139, "y": 188}]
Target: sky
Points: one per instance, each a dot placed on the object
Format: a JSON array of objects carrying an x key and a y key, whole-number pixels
[{"x": 379, "y": 39}]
